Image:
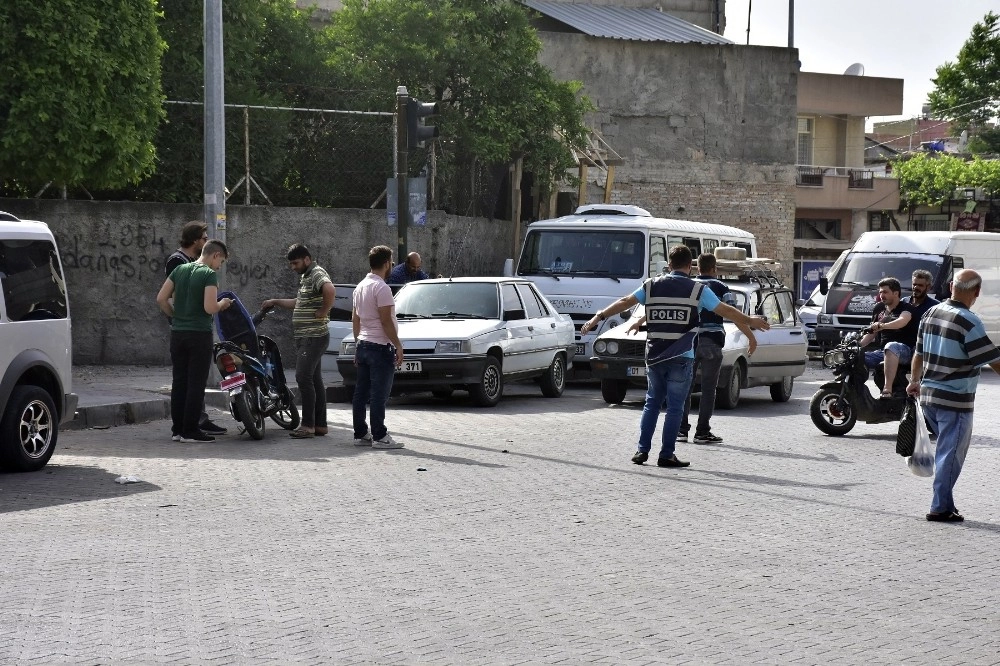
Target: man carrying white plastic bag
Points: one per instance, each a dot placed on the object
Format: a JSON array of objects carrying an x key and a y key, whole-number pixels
[{"x": 951, "y": 347}]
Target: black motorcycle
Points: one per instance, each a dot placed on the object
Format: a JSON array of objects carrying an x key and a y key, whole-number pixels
[
  {"x": 252, "y": 373},
  {"x": 836, "y": 407}
]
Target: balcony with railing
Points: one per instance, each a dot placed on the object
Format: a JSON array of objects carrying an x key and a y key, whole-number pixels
[{"x": 845, "y": 188}]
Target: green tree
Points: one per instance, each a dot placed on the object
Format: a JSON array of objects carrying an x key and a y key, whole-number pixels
[
  {"x": 80, "y": 95},
  {"x": 930, "y": 180},
  {"x": 479, "y": 60},
  {"x": 967, "y": 91},
  {"x": 272, "y": 57}
]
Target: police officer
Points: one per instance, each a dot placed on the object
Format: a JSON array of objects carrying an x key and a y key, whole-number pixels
[{"x": 672, "y": 303}]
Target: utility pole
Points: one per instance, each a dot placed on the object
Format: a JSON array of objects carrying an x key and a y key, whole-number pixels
[
  {"x": 791, "y": 24},
  {"x": 402, "y": 173},
  {"x": 215, "y": 124}
]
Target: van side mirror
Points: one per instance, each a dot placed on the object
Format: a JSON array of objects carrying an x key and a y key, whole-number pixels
[{"x": 824, "y": 285}]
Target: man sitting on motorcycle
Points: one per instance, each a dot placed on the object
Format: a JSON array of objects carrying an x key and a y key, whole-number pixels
[{"x": 894, "y": 325}]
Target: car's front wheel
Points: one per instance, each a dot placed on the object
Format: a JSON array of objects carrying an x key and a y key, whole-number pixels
[
  {"x": 29, "y": 430},
  {"x": 554, "y": 379},
  {"x": 782, "y": 391},
  {"x": 613, "y": 390},
  {"x": 488, "y": 391}
]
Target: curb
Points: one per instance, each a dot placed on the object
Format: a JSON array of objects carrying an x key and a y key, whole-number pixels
[{"x": 144, "y": 411}]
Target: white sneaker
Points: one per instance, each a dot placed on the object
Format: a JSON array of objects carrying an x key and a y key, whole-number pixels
[
  {"x": 364, "y": 441},
  {"x": 175, "y": 438},
  {"x": 387, "y": 442}
]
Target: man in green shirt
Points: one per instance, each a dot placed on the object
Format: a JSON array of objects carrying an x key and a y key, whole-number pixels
[
  {"x": 310, "y": 314},
  {"x": 194, "y": 288}
]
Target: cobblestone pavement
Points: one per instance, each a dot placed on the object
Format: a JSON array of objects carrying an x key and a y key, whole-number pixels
[{"x": 520, "y": 534}]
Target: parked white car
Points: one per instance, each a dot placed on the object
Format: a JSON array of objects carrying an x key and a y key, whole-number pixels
[
  {"x": 619, "y": 358},
  {"x": 36, "y": 348},
  {"x": 475, "y": 334},
  {"x": 339, "y": 326}
]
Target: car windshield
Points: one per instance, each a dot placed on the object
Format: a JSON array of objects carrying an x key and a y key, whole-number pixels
[
  {"x": 867, "y": 269},
  {"x": 474, "y": 300},
  {"x": 612, "y": 254}
]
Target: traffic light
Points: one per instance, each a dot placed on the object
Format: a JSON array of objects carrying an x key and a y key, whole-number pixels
[{"x": 416, "y": 132}]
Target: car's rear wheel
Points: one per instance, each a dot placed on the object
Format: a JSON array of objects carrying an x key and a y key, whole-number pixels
[
  {"x": 613, "y": 390},
  {"x": 554, "y": 379},
  {"x": 782, "y": 391},
  {"x": 729, "y": 397},
  {"x": 489, "y": 390},
  {"x": 29, "y": 430}
]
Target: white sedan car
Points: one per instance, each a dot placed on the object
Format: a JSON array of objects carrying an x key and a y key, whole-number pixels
[
  {"x": 619, "y": 358},
  {"x": 475, "y": 334}
]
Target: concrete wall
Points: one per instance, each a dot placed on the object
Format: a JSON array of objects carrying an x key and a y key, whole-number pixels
[
  {"x": 707, "y": 131},
  {"x": 113, "y": 254}
]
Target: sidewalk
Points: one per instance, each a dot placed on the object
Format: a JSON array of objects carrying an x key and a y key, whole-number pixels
[{"x": 114, "y": 395}]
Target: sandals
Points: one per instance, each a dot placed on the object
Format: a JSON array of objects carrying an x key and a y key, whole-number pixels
[
  {"x": 320, "y": 431},
  {"x": 301, "y": 433},
  {"x": 886, "y": 395}
]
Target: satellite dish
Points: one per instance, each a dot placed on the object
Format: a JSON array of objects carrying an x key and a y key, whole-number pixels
[{"x": 857, "y": 69}]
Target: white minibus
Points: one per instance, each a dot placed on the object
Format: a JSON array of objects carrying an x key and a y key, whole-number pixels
[{"x": 584, "y": 261}]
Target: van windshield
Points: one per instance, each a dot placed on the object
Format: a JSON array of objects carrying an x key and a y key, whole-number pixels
[
  {"x": 867, "y": 269},
  {"x": 618, "y": 254}
]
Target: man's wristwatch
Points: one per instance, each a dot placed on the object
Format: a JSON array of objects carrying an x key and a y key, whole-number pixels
[{"x": 600, "y": 315}]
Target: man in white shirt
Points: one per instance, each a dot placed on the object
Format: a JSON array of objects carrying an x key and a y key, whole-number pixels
[{"x": 378, "y": 352}]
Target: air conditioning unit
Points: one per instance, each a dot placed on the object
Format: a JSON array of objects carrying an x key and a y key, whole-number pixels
[{"x": 973, "y": 193}]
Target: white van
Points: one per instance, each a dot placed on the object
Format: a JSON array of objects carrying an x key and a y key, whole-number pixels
[
  {"x": 851, "y": 290},
  {"x": 35, "y": 354},
  {"x": 585, "y": 261}
]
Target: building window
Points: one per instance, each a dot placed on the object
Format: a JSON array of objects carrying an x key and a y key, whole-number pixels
[
  {"x": 811, "y": 229},
  {"x": 879, "y": 222},
  {"x": 805, "y": 142}
]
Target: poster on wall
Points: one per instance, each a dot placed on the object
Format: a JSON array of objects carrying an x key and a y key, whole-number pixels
[
  {"x": 809, "y": 274},
  {"x": 968, "y": 222}
]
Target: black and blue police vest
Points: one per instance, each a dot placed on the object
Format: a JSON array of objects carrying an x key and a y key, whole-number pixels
[
  {"x": 671, "y": 316},
  {"x": 711, "y": 323}
]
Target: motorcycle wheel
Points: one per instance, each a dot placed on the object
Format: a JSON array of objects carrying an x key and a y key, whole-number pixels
[
  {"x": 287, "y": 415},
  {"x": 831, "y": 414},
  {"x": 249, "y": 415}
]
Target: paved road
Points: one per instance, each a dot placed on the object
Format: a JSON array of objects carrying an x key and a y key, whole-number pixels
[{"x": 521, "y": 534}]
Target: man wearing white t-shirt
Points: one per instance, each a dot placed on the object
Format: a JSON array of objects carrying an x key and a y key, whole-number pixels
[{"x": 378, "y": 353}]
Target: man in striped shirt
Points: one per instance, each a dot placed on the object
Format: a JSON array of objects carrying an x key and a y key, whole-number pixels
[
  {"x": 310, "y": 314},
  {"x": 951, "y": 347}
]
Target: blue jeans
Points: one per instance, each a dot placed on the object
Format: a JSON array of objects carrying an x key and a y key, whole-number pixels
[
  {"x": 954, "y": 431},
  {"x": 668, "y": 380},
  {"x": 376, "y": 368}
]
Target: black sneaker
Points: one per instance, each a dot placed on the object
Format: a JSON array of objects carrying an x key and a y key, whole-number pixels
[
  {"x": 950, "y": 517},
  {"x": 672, "y": 461},
  {"x": 640, "y": 457},
  {"x": 707, "y": 438},
  {"x": 197, "y": 437},
  {"x": 212, "y": 428},
  {"x": 682, "y": 434}
]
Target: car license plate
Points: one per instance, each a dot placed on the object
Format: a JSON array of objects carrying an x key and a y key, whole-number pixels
[
  {"x": 410, "y": 366},
  {"x": 581, "y": 349},
  {"x": 636, "y": 371},
  {"x": 231, "y": 382}
]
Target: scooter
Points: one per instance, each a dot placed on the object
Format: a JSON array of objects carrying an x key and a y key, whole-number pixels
[
  {"x": 836, "y": 407},
  {"x": 252, "y": 373}
]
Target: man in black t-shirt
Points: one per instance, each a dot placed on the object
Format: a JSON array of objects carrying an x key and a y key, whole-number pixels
[
  {"x": 895, "y": 327},
  {"x": 194, "y": 235}
]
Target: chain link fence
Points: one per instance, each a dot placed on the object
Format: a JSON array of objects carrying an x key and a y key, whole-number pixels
[{"x": 298, "y": 156}]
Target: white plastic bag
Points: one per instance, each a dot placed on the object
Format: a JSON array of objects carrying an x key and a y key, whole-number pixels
[{"x": 921, "y": 462}]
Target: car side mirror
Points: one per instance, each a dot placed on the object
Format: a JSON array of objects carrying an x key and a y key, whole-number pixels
[
  {"x": 513, "y": 315},
  {"x": 824, "y": 285},
  {"x": 800, "y": 302}
]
